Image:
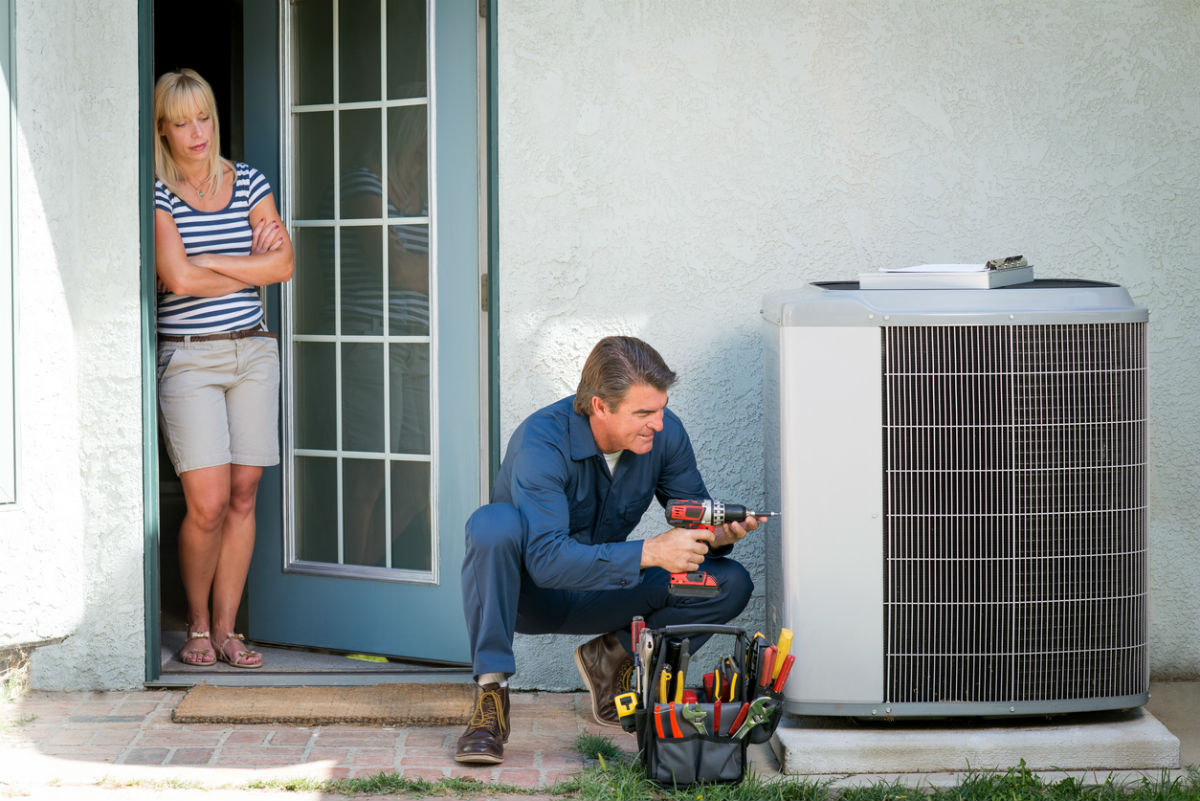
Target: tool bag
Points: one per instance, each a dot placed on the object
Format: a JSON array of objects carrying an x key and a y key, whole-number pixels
[{"x": 695, "y": 739}]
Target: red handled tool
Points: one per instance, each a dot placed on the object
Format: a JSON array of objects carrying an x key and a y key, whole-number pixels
[
  {"x": 783, "y": 673},
  {"x": 676, "y": 732},
  {"x": 741, "y": 715},
  {"x": 708, "y": 514},
  {"x": 635, "y": 636},
  {"x": 766, "y": 667}
]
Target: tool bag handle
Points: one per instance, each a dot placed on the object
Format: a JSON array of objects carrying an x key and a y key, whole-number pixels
[
  {"x": 701, "y": 628},
  {"x": 679, "y": 631}
]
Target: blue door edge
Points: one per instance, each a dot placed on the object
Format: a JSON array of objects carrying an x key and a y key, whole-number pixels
[{"x": 150, "y": 568}]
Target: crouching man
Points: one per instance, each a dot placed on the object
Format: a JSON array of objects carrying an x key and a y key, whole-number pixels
[{"x": 549, "y": 555}]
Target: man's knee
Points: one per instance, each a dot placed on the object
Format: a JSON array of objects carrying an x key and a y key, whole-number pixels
[
  {"x": 495, "y": 527},
  {"x": 736, "y": 587}
]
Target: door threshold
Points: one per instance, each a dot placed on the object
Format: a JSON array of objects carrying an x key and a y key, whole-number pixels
[
  {"x": 264, "y": 678},
  {"x": 285, "y": 666}
]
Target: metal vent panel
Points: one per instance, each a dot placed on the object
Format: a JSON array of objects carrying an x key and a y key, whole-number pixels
[{"x": 1015, "y": 513}]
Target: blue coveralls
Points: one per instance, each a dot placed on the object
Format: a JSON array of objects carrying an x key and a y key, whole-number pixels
[{"x": 549, "y": 556}]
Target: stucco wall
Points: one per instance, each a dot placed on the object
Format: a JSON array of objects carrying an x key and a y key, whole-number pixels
[
  {"x": 72, "y": 546},
  {"x": 663, "y": 165}
]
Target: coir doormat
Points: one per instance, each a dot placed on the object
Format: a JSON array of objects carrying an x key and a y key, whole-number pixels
[{"x": 374, "y": 705}]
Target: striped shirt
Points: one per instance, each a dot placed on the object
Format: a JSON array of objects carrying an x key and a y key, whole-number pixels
[{"x": 226, "y": 231}]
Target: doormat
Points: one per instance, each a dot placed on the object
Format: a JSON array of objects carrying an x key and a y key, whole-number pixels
[{"x": 370, "y": 705}]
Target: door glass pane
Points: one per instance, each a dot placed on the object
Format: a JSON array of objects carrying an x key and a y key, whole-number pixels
[
  {"x": 316, "y": 404},
  {"x": 358, "y": 50},
  {"x": 408, "y": 278},
  {"x": 406, "y": 48},
  {"x": 408, "y": 161},
  {"x": 313, "y": 164},
  {"x": 312, "y": 51},
  {"x": 363, "y": 515},
  {"x": 362, "y": 397},
  {"x": 316, "y": 518},
  {"x": 313, "y": 281},
  {"x": 411, "y": 540},
  {"x": 362, "y": 186},
  {"x": 362, "y": 280},
  {"x": 409, "y": 397}
]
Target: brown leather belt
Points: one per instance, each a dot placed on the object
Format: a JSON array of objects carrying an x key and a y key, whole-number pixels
[{"x": 249, "y": 332}]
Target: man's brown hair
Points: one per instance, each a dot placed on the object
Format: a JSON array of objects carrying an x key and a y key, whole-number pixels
[{"x": 615, "y": 365}]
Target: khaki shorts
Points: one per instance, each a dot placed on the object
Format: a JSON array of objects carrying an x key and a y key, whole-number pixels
[{"x": 218, "y": 402}]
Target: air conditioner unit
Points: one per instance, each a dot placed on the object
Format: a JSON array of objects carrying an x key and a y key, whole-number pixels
[{"x": 962, "y": 476}]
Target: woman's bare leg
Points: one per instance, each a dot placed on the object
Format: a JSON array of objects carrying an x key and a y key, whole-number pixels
[
  {"x": 233, "y": 563},
  {"x": 206, "y": 492}
]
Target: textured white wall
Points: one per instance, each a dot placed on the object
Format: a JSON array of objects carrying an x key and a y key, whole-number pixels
[
  {"x": 663, "y": 165},
  {"x": 71, "y": 549}
]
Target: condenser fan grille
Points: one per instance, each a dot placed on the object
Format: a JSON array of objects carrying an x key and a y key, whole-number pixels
[{"x": 1015, "y": 512}]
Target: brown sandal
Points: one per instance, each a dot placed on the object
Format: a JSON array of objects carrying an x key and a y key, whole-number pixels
[
  {"x": 238, "y": 659},
  {"x": 197, "y": 657}
]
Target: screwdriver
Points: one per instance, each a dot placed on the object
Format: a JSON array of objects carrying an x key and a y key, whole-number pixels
[
  {"x": 681, "y": 670},
  {"x": 781, "y": 653}
]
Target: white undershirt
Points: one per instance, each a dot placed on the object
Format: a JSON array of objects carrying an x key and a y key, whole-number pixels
[{"x": 612, "y": 458}]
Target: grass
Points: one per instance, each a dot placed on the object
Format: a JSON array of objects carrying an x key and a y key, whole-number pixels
[
  {"x": 14, "y": 677},
  {"x": 391, "y": 784},
  {"x": 16, "y": 723},
  {"x": 616, "y": 775}
]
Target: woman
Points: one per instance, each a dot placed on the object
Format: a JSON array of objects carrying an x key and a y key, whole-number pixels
[{"x": 218, "y": 237}]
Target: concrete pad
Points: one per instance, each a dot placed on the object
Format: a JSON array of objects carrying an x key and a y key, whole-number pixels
[{"x": 1129, "y": 740}]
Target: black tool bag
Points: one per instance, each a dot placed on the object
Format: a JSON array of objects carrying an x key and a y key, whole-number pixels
[{"x": 674, "y": 750}]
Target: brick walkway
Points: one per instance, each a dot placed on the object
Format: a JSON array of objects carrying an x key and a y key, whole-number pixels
[{"x": 50, "y": 742}]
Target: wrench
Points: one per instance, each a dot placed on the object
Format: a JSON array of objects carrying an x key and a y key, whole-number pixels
[
  {"x": 694, "y": 715},
  {"x": 760, "y": 712}
]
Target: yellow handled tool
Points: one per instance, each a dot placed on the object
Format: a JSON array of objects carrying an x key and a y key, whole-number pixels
[
  {"x": 626, "y": 704},
  {"x": 664, "y": 681},
  {"x": 785, "y": 645}
]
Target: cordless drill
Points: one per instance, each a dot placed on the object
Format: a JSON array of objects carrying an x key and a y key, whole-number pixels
[{"x": 707, "y": 514}]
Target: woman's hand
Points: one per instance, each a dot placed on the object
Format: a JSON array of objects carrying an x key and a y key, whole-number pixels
[{"x": 266, "y": 237}]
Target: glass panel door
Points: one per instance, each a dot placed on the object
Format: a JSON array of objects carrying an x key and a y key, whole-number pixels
[
  {"x": 361, "y": 446},
  {"x": 381, "y": 330}
]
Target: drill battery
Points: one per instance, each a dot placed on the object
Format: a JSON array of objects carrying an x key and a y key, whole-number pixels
[{"x": 697, "y": 584}]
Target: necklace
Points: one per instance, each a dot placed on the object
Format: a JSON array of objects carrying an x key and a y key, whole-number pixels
[{"x": 197, "y": 189}]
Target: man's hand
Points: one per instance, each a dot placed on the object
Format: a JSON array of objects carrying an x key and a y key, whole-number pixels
[
  {"x": 680, "y": 550},
  {"x": 730, "y": 533}
]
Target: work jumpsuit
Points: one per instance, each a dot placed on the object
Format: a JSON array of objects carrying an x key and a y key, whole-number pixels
[{"x": 549, "y": 554}]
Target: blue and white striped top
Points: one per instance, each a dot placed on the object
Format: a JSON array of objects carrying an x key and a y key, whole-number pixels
[{"x": 226, "y": 231}]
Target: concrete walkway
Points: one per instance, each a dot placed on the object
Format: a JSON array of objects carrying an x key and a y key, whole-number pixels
[{"x": 123, "y": 745}]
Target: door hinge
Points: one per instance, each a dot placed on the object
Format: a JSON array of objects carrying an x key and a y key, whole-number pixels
[
  {"x": 483, "y": 9},
  {"x": 483, "y": 293}
]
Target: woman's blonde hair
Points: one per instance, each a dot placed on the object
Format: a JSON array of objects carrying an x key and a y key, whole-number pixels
[{"x": 178, "y": 95}]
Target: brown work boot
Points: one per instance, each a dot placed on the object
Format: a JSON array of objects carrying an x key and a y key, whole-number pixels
[
  {"x": 487, "y": 732},
  {"x": 607, "y": 671}
]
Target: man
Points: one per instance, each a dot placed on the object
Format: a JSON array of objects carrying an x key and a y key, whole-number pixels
[{"x": 549, "y": 554}]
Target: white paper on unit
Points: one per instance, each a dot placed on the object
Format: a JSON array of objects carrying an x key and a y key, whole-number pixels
[{"x": 937, "y": 268}]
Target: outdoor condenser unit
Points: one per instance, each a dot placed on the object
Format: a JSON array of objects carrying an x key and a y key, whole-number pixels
[{"x": 962, "y": 476}]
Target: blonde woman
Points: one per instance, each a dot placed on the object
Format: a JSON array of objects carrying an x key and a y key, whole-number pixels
[{"x": 218, "y": 237}]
